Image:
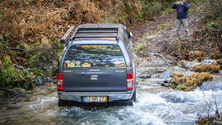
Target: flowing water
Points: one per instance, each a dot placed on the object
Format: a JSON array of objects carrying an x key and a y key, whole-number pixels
[{"x": 156, "y": 105}]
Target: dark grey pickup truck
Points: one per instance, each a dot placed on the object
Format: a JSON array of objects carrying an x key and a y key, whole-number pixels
[{"x": 97, "y": 66}]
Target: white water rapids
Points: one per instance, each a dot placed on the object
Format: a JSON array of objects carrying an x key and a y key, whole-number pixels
[{"x": 168, "y": 107}]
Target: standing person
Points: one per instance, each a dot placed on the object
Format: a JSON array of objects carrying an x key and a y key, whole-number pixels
[{"x": 182, "y": 8}]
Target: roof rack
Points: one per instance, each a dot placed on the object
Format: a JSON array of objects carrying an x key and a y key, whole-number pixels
[
  {"x": 91, "y": 33},
  {"x": 67, "y": 35},
  {"x": 100, "y": 32}
]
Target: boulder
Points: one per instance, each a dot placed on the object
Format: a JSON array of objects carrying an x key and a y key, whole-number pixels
[
  {"x": 167, "y": 73},
  {"x": 208, "y": 61},
  {"x": 188, "y": 83}
]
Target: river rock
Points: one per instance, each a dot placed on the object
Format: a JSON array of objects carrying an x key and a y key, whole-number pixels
[
  {"x": 216, "y": 122},
  {"x": 208, "y": 61},
  {"x": 168, "y": 80},
  {"x": 23, "y": 91},
  {"x": 166, "y": 85},
  {"x": 3, "y": 121},
  {"x": 38, "y": 81},
  {"x": 167, "y": 73},
  {"x": 184, "y": 64},
  {"x": 193, "y": 63},
  {"x": 145, "y": 77}
]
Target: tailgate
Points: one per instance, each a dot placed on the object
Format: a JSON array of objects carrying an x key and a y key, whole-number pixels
[{"x": 89, "y": 80}]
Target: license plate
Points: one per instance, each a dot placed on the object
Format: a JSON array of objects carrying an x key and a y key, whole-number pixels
[{"x": 94, "y": 99}]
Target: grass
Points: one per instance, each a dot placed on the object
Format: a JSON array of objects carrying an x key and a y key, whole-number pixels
[
  {"x": 167, "y": 11},
  {"x": 139, "y": 46}
]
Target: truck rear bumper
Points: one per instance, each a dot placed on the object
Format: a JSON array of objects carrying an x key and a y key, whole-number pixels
[{"x": 112, "y": 96}]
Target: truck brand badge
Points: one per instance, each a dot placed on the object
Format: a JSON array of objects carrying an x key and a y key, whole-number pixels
[
  {"x": 67, "y": 71},
  {"x": 119, "y": 70},
  {"x": 94, "y": 77}
]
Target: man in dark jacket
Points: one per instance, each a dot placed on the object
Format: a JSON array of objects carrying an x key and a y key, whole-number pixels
[{"x": 182, "y": 8}]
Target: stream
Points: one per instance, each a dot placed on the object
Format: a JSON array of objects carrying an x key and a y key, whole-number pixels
[{"x": 156, "y": 105}]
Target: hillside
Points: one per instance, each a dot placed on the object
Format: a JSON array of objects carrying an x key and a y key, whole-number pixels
[{"x": 31, "y": 30}]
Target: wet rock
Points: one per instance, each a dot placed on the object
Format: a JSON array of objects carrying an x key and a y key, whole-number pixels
[
  {"x": 49, "y": 79},
  {"x": 212, "y": 85},
  {"x": 208, "y": 61},
  {"x": 184, "y": 64},
  {"x": 145, "y": 77},
  {"x": 168, "y": 80},
  {"x": 165, "y": 84},
  {"x": 23, "y": 91},
  {"x": 161, "y": 82},
  {"x": 167, "y": 73},
  {"x": 38, "y": 81},
  {"x": 160, "y": 70}
]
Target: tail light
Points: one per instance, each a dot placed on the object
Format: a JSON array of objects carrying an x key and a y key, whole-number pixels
[
  {"x": 129, "y": 82},
  {"x": 59, "y": 81}
]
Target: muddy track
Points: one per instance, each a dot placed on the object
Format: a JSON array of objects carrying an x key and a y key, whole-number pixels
[{"x": 159, "y": 37}]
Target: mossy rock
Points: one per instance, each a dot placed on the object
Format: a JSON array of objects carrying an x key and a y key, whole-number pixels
[
  {"x": 199, "y": 55},
  {"x": 188, "y": 83},
  {"x": 219, "y": 62},
  {"x": 211, "y": 68},
  {"x": 216, "y": 55}
]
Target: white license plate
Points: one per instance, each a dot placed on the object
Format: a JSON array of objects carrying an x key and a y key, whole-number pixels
[{"x": 94, "y": 99}]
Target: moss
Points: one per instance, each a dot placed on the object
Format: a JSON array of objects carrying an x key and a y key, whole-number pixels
[
  {"x": 139, "y": 46},
  {"x": 211, "y": 68},
  {"x": 219, "y": 62},
  {"x": 10, "y": 77},
  {"x": 188, "y": 83},
  {"x": 205, "y": 120},
  {"x": 199, "y": 55},
  {"x": 216, "y": 55}
]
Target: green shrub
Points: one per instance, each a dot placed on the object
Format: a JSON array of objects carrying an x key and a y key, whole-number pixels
[
  {"x": 139, "y": 46},
  {"x": 10, "y": 77}
]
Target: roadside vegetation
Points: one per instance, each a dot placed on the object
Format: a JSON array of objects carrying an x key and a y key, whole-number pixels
[{"x": 29, "y": 36}]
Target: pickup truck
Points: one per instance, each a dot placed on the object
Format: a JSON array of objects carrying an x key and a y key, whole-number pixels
[{"x": 96, "y": 66}]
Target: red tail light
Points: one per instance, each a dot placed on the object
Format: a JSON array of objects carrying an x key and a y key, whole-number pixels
[
  {"x": 59, "y": 81},
  {"x": 129, "y": 82}
]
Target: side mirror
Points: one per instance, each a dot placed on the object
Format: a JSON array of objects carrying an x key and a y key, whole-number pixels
[{"x": 130, "y": 35}]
